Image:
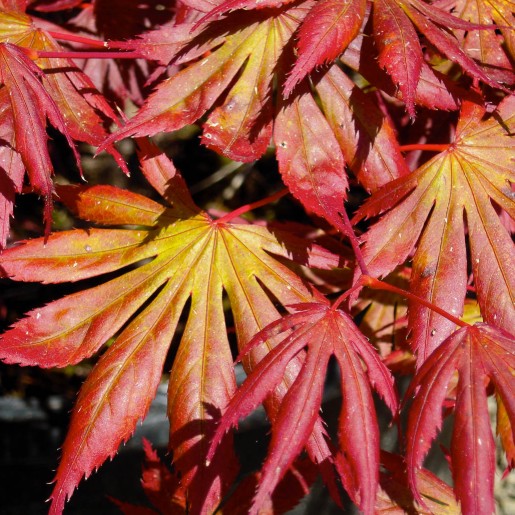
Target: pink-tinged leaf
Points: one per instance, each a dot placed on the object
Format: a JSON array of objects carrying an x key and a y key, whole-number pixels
[
  {"x": 434, "y": 89},
  {"x": 432, "y": 205},
  {"x": 268, "y": 373},
  {"x": 12, "y": 169},
  {"x": 480, "y": 354},
  {"x": 399, "y": 48},
  {"x": 31, "y": 106},
  {"x": 446, "y": 19},
  {"x": 310, "y": 159},
  {"x": 170, "y": 42},
  {"x": 295, "y": 421},
  {"x": 449, "y": 47},
  {"x": 116, "y": 395},
  {"x": 234, "y": 5},
  {"x": 366, "y": 137},
  {"x": 240, "y": 57},
  {"x": 325, "y": 332},
  {"x": 324, "y": 34}
]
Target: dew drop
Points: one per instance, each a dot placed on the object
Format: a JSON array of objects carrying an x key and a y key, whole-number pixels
[{"x": 87, "y": 248}]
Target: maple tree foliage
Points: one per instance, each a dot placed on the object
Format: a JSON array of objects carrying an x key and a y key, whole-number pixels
[{"x": 392, "y": 125}]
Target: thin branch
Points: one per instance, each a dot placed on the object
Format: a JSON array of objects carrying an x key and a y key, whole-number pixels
[
  {"x": 249, "y": 207},
  {"x": 89, "y": 55},
  {"x": 354, "y": 243},
  {"x": 376, "y": 284}
]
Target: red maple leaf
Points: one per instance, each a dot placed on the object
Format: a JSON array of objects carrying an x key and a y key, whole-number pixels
[
  {"x": 481, "y": 355},
  {"x": 324, "y": 331}
]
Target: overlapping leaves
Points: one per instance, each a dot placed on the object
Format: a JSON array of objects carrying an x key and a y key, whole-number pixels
[
  {"x": 232, "y": 65},
  {"x": 430, "y": 211},
  {"x": 185, "y": 257},
  {"x": 482, "y": 355},
  {"x": 324, "y": 332},
  {"x": 32, "y": 93}
]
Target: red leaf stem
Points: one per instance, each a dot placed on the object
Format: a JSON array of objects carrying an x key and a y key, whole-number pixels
[
  {"x": 425, "y": 146},
  {"x": 254, "y": 205},
  {"x": 79, "y": 39},
  {"x": 90, "y": 55},
  {"x": 376, "y": 284}
]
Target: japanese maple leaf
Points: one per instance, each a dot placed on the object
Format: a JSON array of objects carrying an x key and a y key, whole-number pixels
[
  {"x": 331, "y": 25},
  {"x": 324, "y": 331},
  {"x": 184, "y": 256},
  {"x": 486, "y": 46},
  {"x": 230, "y": 66},
  {"x": 433, "y": 89},
  {"x": 395, "y": 26},
  {"x": 481, "y": 355},
  {"x": 32, "y": 93},
  {"x": 24, "y": 108},
  {"x": 430, "y": 211}
]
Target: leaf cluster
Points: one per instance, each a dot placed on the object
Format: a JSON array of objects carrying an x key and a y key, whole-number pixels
[{"x": 392, "y": 125}]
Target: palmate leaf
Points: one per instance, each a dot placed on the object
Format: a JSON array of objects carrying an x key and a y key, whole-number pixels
[
  {"x": 184, "y": 257},
  {"x": 430, "y": 210},
  {"x": 230, "y": 67},
  {"x": 400, "y": 53},
  {"x": 487, "y": 47},
  {"x": 481, "y": 355},
  {"x": 325, "y": 332}
]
